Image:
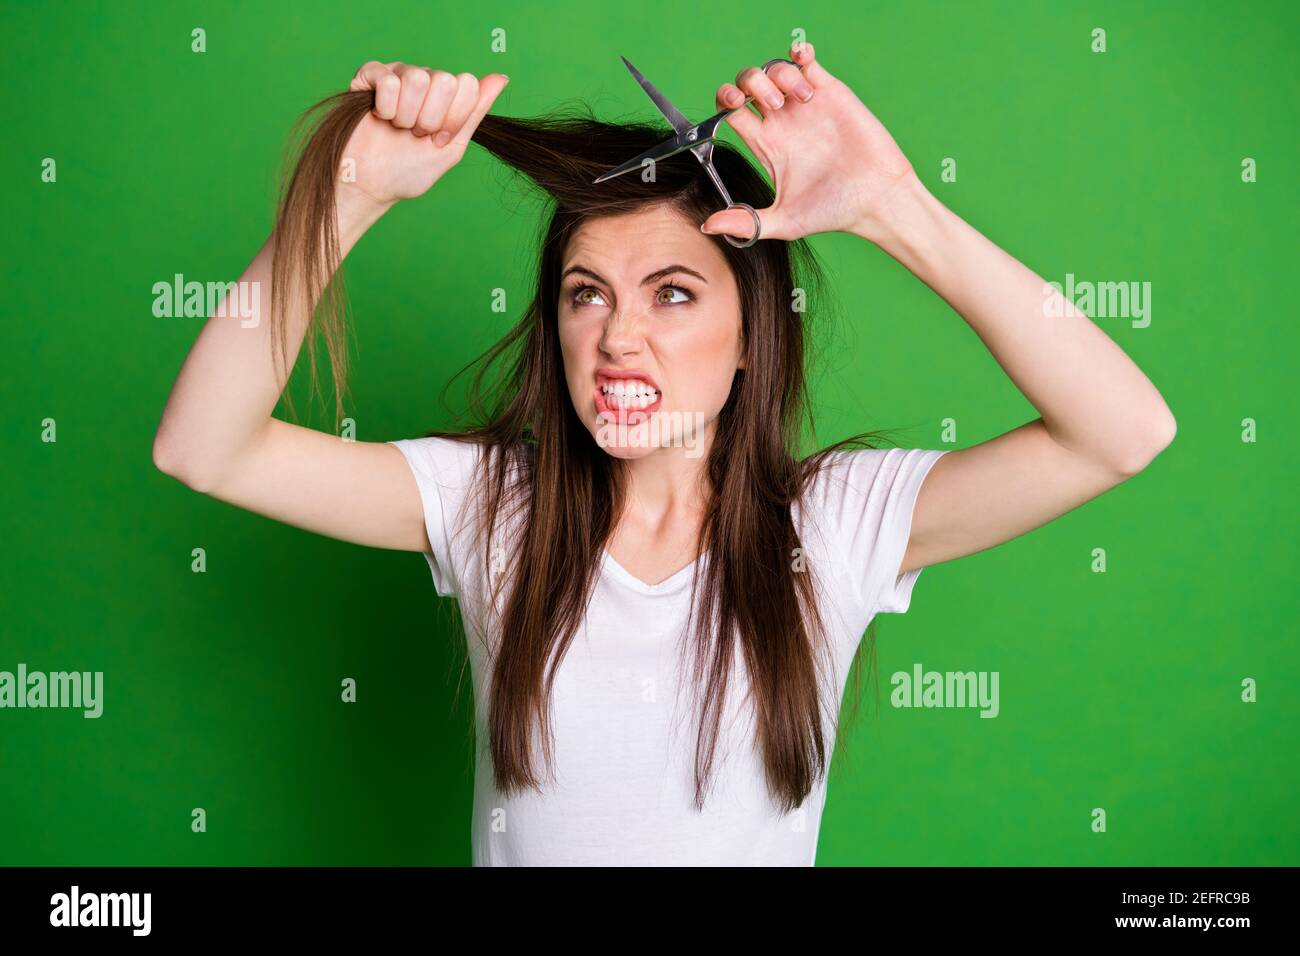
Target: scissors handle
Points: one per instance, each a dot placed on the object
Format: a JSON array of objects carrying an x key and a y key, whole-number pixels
[{"x": 758, "y": 226}]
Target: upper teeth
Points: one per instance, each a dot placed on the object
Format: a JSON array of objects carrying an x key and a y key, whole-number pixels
[{"x": 627, "y": 393}]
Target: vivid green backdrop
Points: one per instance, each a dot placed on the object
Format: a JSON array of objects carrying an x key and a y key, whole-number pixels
[{"x": 1119, "y": 690}]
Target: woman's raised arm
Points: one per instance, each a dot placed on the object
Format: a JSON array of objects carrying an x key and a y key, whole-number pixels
[
  {"x": 837, "y": 169},
  {"x": 218, "y": 434}
]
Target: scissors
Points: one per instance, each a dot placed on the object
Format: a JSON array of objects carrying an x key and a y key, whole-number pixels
[{"x": 697, "y": 137}]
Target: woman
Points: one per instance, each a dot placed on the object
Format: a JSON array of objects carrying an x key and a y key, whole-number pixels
[{"x": 664, "y": 599}]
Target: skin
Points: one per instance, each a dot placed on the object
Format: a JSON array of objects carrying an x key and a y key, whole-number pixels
[
  {"x": 835, "y": 169},
  {"x": 684, "y": 332}
]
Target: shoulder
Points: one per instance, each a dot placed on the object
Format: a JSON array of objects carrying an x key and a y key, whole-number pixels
[
  {"x": 450, "y": 469},
  {"x": 856, "y": 510},
  {"x": 445, "y": 470},
  {"x": 448, "y": 461},
  {"x": 860, "y": 477},
  {"x": 449, "y": 475}
]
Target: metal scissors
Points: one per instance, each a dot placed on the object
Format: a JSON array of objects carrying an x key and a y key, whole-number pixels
[{"x": 697, "y": 137}]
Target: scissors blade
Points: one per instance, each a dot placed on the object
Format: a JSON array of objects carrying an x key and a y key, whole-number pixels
[
  {"x": 656, "y": 153},
  {"x": 679, "y": 122},
  {"x": 695, "y": 137},
  {"x": 707, "y": 130}
]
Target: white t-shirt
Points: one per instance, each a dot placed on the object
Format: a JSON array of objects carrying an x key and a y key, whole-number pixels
[{"x": 624, "y": 737}]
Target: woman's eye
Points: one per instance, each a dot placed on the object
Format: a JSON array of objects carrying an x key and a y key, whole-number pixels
[
  {"x": 686, "y": 296},
  {"x": 664, "y": 295}
]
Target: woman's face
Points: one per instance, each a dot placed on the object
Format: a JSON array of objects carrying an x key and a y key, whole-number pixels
[{"x": 649, "y": 324}]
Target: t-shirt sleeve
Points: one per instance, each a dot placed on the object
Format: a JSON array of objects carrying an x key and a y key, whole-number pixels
[
  {"x": 444, "y": 472},
  {"x": 866, "y": 498}
]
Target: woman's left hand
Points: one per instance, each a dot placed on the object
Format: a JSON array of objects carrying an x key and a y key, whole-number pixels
[{"x": 831, "y": 162}]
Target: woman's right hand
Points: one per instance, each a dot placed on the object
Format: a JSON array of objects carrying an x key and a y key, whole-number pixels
[{"x": 419, "y": 128}]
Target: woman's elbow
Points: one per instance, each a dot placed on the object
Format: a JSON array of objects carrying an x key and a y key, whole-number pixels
[
  {"x": 1158, "y": 436},
  {"x": 172, "y": 462}
]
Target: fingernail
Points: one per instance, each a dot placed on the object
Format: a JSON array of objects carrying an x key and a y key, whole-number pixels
[
  {"x": 441, "y": 139},
  {"x": 775, "y": 100},
  {"x": 803, "y": 91},
  {"x": 704, "y": 229},
  {"x": 735, "y": 96}
]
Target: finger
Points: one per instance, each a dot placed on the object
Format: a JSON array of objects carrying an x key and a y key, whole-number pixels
[
  {"x": 805, "y": 56},
  {"x": 754, "y": 82},
  {"x": 367, "y": 76},
  {"x": 488, "y": 91},
  {"x": 790, "y": 81},
  {"x": 386, "y": 84},
  {"x": 745, "y": 122},
  {"x": 433, "y": 113},
  {"x": 416, "y": 81},
  {"x": 738, "y": 223},
  {"x": 462, "y": 104}
]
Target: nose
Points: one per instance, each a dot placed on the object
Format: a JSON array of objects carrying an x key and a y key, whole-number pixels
[{"x": 622, "y": 334}]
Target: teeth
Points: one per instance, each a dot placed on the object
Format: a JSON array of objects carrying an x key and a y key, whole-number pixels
[
  {"x": 629, "y": 401},
  {"x": 627, "y": 393}
]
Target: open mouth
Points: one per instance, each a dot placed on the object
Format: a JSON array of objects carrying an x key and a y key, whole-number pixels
[{"x": 626, "y": 399}]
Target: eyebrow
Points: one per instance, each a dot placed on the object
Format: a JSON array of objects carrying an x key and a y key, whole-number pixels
[{"x": 652, "y": 277}]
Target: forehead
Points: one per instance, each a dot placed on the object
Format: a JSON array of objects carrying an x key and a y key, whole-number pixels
[{"x": 631, "y": 245}]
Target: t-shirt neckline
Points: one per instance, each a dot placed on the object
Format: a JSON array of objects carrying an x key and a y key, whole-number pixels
[{"x": 673, "y": 581}]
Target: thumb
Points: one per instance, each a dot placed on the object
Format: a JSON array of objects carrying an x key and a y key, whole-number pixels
[
  {"x": 488, "y": 90},
  {"x": 735, "y": 222}
]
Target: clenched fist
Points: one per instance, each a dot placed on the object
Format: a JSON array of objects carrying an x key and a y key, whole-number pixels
[{"x": 422, "y": 121}]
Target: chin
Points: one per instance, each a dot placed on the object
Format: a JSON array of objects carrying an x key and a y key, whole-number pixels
[
  {"x": 629, "y": 454},
  {"x": 626, "y": 437},
  {"x": 634, "y": 435}
]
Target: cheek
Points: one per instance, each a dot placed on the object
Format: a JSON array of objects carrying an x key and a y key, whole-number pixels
[
  {"x": 577, "y": 344},
  {"x": 704, "y": 360},
  {"x": 565, "y": 330},
  {"x": 580, "y": 329}
]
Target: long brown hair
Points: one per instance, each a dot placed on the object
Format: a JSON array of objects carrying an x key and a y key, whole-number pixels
[{"x": 541, "y": 464}]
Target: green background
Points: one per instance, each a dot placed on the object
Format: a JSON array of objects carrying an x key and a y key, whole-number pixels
[{"x": 1118, "y": 690}]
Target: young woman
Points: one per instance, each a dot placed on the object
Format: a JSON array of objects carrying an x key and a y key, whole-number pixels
[{"x": 663, "y": 597}]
